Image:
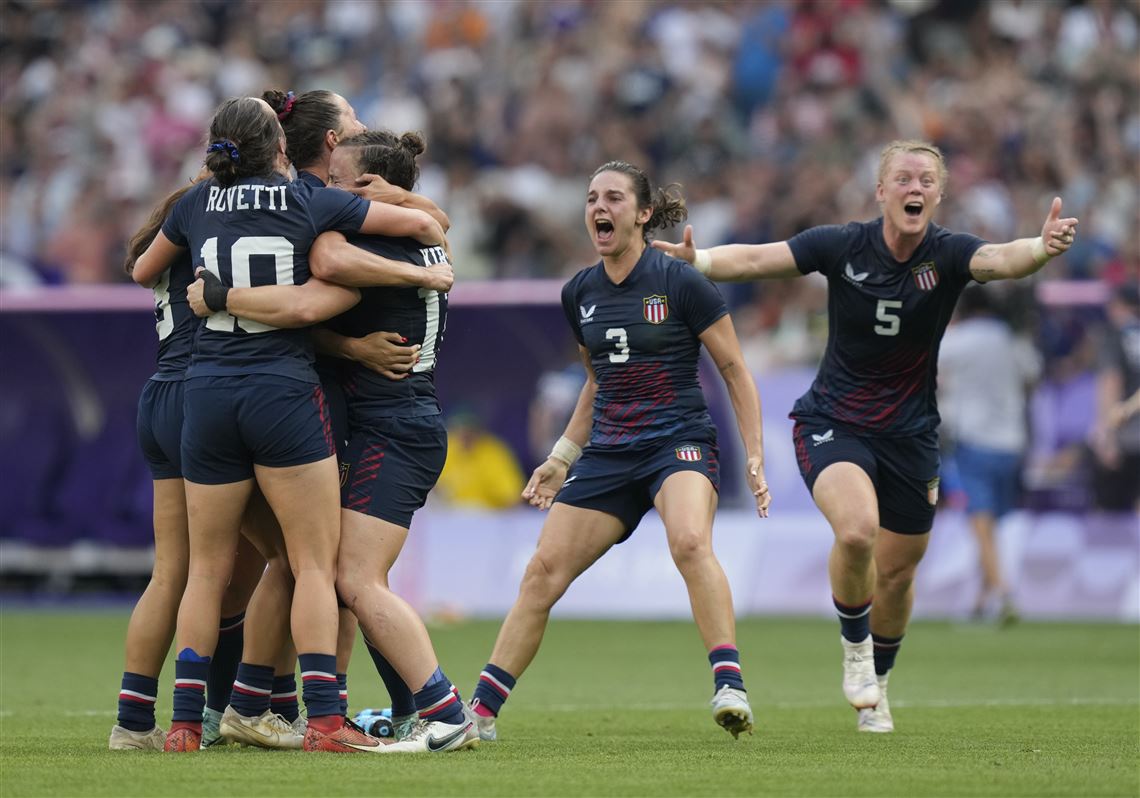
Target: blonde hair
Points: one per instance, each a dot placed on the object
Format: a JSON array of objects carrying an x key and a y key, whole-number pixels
[{"x": 913, "y": 145}]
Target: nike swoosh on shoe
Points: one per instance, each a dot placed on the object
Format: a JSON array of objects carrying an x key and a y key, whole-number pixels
[{"x": 438, "y": 745}]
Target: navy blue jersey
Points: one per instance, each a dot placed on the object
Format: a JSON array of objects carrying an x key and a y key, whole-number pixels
[
  {"x": 257, "y": 232},
  {"x": 174, "y": 321},
  {"x": 885, "y": 323},
  {"x": 642, "y": 338},
  {"x": 418, "y": 314}
]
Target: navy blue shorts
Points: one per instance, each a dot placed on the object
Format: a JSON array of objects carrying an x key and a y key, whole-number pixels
[
  {"x": 159, "y": 425},
  {"x": 903, "y": 470},
  {"x": 624, "y": 483},
  {"x": 990, "y": 479},
  {"x": 390, "y": 466},
  {"x": 232, "y": 423},
  {"x": 338, "y": 414}
]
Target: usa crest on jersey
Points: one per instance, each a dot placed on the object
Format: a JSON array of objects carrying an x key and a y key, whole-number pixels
[
  {"x": 925, "y": 275},
  {"x": 655, "y": 308},
  {"x": 688, "y": 452}
]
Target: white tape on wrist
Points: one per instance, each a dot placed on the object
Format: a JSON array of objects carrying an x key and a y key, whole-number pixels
[
  {"x": 703, "y": 261},
  {"x": 566, "y": 451},
  {"x": 1040, "y": 254}
]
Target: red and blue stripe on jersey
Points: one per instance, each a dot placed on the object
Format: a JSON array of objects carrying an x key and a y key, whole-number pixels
[
  {"x": 885, "y": 323},
  {"x": 643, "y": 338}
]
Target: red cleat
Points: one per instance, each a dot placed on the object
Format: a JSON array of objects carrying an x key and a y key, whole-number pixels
[
  {"x": 348, "y": 739},
  {"x": 183, "y": 737}
]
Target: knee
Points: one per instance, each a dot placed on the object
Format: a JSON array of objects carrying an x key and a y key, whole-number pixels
[
  {"x": 689, "y": 547},
  {"x": 857, "y": 535},
  {"x": 895, "y": 579},
  {"x": 542, "y": 584}
]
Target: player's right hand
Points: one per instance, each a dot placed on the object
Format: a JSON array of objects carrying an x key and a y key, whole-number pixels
[
  {"x": 545, "y": 483},
  {"x": 386, "y": 353},
  {"x": 440, "y": 277},
  {"x": 195, "y": 299},
  {"x": 686, "y": 250}
]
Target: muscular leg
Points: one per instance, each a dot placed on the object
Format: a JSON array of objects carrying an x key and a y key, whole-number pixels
[
  {"x": 369, "y": 546},
  {"x": 267, "y": 612},
  {"x": 151, "y": 628},
  {"x": 846, "y": 496},
  {"x": 215, "y": 517},
  {"x": 572, "y": 539},
  {"x": 687, "y": 502},
  {"x": 896, "y": 559},
  {"x": 306, "y": 500}
]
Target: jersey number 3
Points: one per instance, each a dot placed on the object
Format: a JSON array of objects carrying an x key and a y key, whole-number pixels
[
  {"x": 618, "y": 335},
  {"x": 890, "y": 325}
]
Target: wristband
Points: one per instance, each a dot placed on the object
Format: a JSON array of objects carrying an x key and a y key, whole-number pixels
[
  {"x": 566, "y": 451},
  {"x": 1040, "y": 254},
  {"x": 703, "y": 261},
  {"x": 214, "y": 292}
]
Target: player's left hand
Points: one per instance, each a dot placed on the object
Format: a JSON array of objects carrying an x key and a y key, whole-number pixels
[
  {"x": 1058, "y": 234},
  {"x": 376, "y": 189},
  {"x": 758, "y": 486},
  {"x": 545, "y": 483}
]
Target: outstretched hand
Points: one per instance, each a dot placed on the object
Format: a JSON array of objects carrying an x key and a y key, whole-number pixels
[
  {"x": 1058, "y": 234},
  {"x": 686, "y": 250},
  {"x": 545, "y": 483}
]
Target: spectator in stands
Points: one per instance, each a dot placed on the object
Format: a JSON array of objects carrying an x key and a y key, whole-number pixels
[
  {"x": 481, "y": 471},
  {"x": 984, "y": 372}
]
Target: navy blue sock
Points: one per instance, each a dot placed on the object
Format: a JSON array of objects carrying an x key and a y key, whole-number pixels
[
  {"x": 854, "y": 621},
  {"x": 494, "y": 687},
  {"x": 403, "y": 704},
  {"x": 283, "y": 699},
  {"x": 725, "y": 661},
  {"x": 224, "y": 664},
  {"x": 319, "y": 687},
  {"x": 436, "y": 701},
  {"x": 190, "y": 672},
  {"x": 886, "y": 649},
  {"x": 342, "y": 692},
  {"x": 136, "y": 701},
  {"x": 252, "y": 689}
]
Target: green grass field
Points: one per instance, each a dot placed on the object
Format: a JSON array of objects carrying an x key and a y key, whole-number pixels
[{"x": 620, "y": 709}]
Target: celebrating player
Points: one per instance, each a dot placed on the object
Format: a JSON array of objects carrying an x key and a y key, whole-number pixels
[
  {"x": 640, "y": 319},
  {"x": 866, "y": 430},
  {"x": 396, "y": 448},
  {"x": 253, "y": 408}
]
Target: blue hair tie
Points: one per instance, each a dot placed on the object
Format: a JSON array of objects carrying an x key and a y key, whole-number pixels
[{"x": 227, "y": 146}]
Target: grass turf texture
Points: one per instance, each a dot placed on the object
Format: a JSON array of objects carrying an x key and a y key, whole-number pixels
[{"x": 621, "y": 709}]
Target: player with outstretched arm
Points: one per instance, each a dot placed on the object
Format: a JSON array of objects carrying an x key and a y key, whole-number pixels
[{"x": 866, "y": 432}]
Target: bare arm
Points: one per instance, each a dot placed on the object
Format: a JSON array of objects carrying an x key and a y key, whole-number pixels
[
  {"x": 720, "y": 339},
  {"x": 1025, "y": 256},
  {"x": 735, "y": 262},
  {"x": 156, "y": 260},
  {"x": 332, "y": 258},
  {"x": 548, "y": 478},
  {"x": 283, "y": 306},
  {"x": 392, "y": 220},
  {"x": 377, "y": 189}
]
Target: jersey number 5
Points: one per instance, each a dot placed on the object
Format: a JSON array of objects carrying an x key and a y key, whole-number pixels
[
  {"x": 890, "y": 320},
  {"x": 277, "y": 247},
  {"x": 622, "y": 353}
]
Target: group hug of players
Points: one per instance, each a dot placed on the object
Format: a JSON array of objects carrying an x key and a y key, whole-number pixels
[{"x": 285, "y": 484}]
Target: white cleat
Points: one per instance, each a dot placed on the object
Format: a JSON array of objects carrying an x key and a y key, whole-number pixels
[
  {"x": 300, "y": 725},
  {"x": 731, "y": 711},
  {"x": 126, "y": 740},
  {"x": 434, "y": 737},
  {"x": 859, "y": 682},
  {"x": 879, "y": 718},
  {"x": 267, "y": 730},
  {"x": 484, "y": 723}
]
